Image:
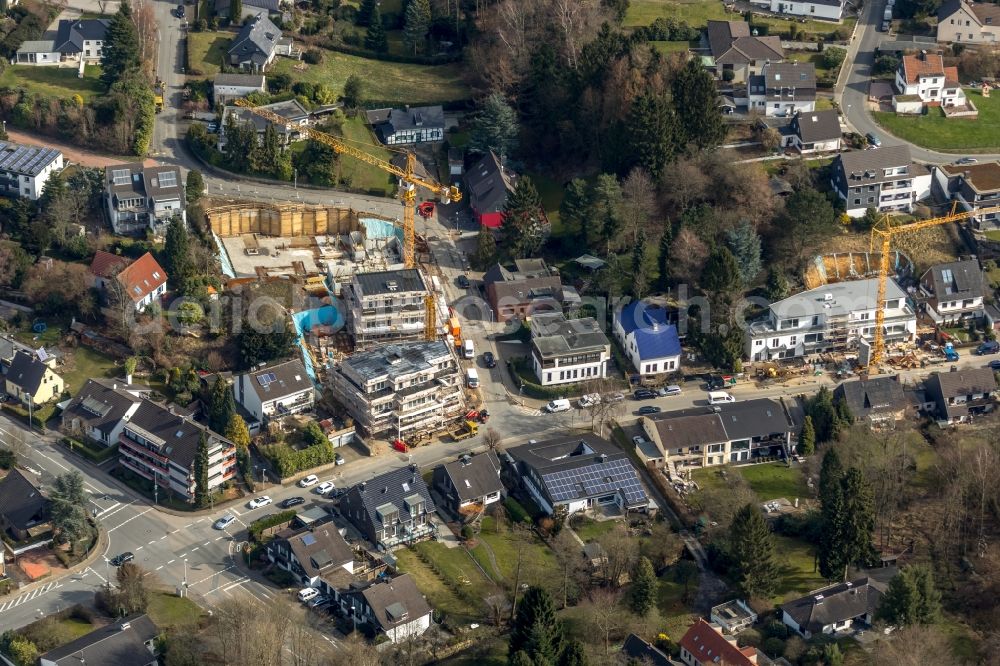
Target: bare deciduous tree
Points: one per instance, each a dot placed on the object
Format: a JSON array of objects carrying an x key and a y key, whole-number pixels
[
  {"x": 252, "y": 634},
  {"x": 605, "y": 615},
  {"x": 620, "y": 554},
  {"x": 492, "y": 439}
]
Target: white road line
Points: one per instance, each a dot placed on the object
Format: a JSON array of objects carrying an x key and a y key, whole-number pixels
[
  {"x": 194, "y": 549},
  {"x": 130, "y": 519},
  {"x": 224, "y": 536},
  {"x": 217, "y": 573},
  {"x": 52, "y": 460},
  {"x": 185, "y": 527},
  {"x": 234, "y": 511},
  {"x": 163, "y": 537},
  {"x": 206, "y": 543},
  {"x": 110, "y": 508},
  {"x": 159, "y": 567},
  {"x": 94, "y": 571},
  {"x": 175, "y": 531},
  {"x": 4, "y": 606},
  {"x": 139, "y": 548},
  {"x": 151, "y": 542},
  {"x": 171, "y": 561}
]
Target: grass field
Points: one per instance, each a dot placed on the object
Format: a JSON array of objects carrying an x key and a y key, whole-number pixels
[
  {"x": 206, "y": 51},
  {"x": 398, "y": 83},
  {"x": 795, "y": 568},
  {"x": 537, "y": 556},
  {"x": 671, "y": 47},
  {"x": 588, "y": 529},
  {"x": 433, "y": 586},
  {"x": 697, "y": 13},
  {"x": 934, "y": 131},
  {"x": 166, "y": 610},
  {"x": 360, "y": 174},
  {"x": 768, "y": 480},
  {"x": 60, "y": 82}
]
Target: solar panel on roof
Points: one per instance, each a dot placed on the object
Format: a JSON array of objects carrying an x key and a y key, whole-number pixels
[
  {"x": 308, "y": 539},
  {"x": 121, "y": 176},
  {"x": 266, "y": 379},
  {"x": 168, "y": 179}
]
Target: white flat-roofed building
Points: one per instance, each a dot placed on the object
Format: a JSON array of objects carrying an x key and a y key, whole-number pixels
[
  {"x": 564, "y": 351},
  {"x": 24, "y": 170}
]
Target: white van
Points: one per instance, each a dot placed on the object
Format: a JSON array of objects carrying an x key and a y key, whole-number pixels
[
  {"x": 468, "y": 351},
  {"x": 472, "y": 378},
  {"x": 559, "y": 405},
  {"x": 307, "y": 593},
  {"x": 719, "y": 397}
]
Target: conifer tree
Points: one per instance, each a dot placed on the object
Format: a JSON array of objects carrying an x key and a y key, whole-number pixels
[
  {"x": 120, "y": 52},
  {"x": 522, "y": 227},
  {"x": 911, "y": 598},
  {"x": 752, "y": 548},
  {"x": 201, "y": 492},
  {"x": 642, "y": 595},
  {"x": 417, "y": 23},
  {"x": 376, "y": 38},
  {"x": 807, "y": 439},
  {"x": 536, "y": 632}
]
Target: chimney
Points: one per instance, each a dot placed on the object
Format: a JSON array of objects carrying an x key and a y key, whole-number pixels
[
  {"x": 114, "y": 386},
  {"x": 128, "y": 379},
  {"x": 361, "y": 486}
]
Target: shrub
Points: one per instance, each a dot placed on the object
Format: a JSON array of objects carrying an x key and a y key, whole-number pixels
[
  {"x": 773, "y": 646},
  {"x": 467, "y": 532},
  {"x": 313, "y": 56},
  {"x": 749, "y": 637},
  {"x": 258, "y": 526},
  {"x": 517, "y": 513}
]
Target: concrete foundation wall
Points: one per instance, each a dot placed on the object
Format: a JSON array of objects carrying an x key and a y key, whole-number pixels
[{"x": 288, "y": 221}]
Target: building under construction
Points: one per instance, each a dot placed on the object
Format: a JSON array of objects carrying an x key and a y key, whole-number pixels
[{"x": 386, "y": 306}]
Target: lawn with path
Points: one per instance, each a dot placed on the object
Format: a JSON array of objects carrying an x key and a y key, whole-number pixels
[
  {"x": 440, "y": 586},
  {"x": 958, "y": 135},
  {"x": 56, "y": 82},
  {"x": 796, "y": 564},
  {"x": 768, "y": 480},
  {"x": 536, "y": 555}
]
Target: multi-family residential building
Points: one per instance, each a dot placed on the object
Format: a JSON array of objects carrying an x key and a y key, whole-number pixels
[
  {"x": 161, "y": 444},
  {"x": 418, "y": 124},
  {"x": 827, "y": 10},
  {"x": 564, "y": 351},
  {"x": 952, "y": 293},
  {"x": 143, "y": 198},
  {"x": 833, "y": 608},
  {"x": 128, "y": 641},
  {"x": 832, "y": 317},
  {"x": 531, "y": 287},
  {"x": 973, "y": 22},
  {"x": 24, "y": 170},
  {"x": 648, "y": 335},
  {"x": 255, "y": 46},
  {"x": 227, "y": 87},
  {"x": 878, "y": 401},
  {"x": 317, "y": 556},
  {"x": 400, "y": 390},
  {"x": 925, "y": 76},
  {"x": 813, "y": 132},
  {"x": 394, "y": 608},
  {"x": 487, "y": 184},
  {"x": 781, "y": 89},
  {"x": 76, "y": 41},
  {"x": 391, "y": 509},
  {"x": 733, "y": 49},
  {"x": 976, "y": 188},
  {"x": 386, "y": 306},
  {"x": 735, "y": 432},
  {"x": 886, "y": 180},
  {"x": 469, "y": 484},
  {"x": 577, "y": 472},
  {"x": 275, "y": 391},
  {"x": 31, "y": 378},
  {"x": 292, "y": 111},
  {"x": 100, "y": 410},
  {"x": 960, "y": 395}
]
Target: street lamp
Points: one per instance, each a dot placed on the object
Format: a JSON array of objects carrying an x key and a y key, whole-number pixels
[{"x": 30, "y": 400}]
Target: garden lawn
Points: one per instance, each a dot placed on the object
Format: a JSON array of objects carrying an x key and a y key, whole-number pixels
[
  {"x": 537, "y": 555},
  {"x": 551, "y": 194},
  {"x": 359, "y": 174},
  {"x": 694, "y": 12},
  {"x": 440, "y": 596},
  {"x": 385, "y": 82},
  {"x": 207, "y": 50},
  {"x": 493, "y": 654},
  {"x": 75, "y": 627},
  {"x": 671, "y": 47},
  {"x": 58, "y": 82},
  {"x": 795, "y": 568},
  {"x": 675, "y": 616},
  {"x": 590, "y": 530},
  {"x": 167, "y": 610},
  {"x": 936, "y": 132},
  {"x": 768, "y": 480},
  {"x": 88, "y": 363}
]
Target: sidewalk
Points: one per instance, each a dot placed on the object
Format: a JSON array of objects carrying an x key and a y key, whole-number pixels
[{"x": 96, "y": 552}]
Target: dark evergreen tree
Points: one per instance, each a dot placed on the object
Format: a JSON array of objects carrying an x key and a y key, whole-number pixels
[
  {"x": 843, "y": 411},
  {"x": 858, "y": 523},
  {"x": 696, "y": 100},
  {"x": 353, "y": 95},
  {"x": 807, "y": 438},
  {"x": 830, "y": 474},
  {"x": 639, "y": 282},
  {"x": 573, "y": 654},
  {"x": 270, "y": 337},
  {"x": 195, "y": 186},
  {"x": 494, "y": 128},
  {"x": 575, "y": 206},
  {"x": 267, "y": 152},
  {"x": 236, "y": 12},
  {"x": 201, "y": 492},
  {"x": 221, "y": 406},
  {"x": 663, "y": 254},
  {"x": 486, "y": 248},
  {"x": 535, "y": 630},
  {"x": 809, "y": 219},
  {"x": 120, "y": 52},
  {"x": 824, "y": 415},
  {"x": 417, "y": 23},
  {"x": 520, "y": 658},
  {"x": 751, "y": 546},
  {"x": 744, "y": 242},
  {"x": 176, "y": 257},
  {"x": 651, "y": 135},
  {"x": 642, "y": 595},
  {"x": 911, "y": 598},
  {"x": 366, "y": 10},
  {"x": 777, "y": 284},
  {"x": 721, "y": 276},
  {"x": 376, "y": 38},
  {"x": 522, "y": 225}
]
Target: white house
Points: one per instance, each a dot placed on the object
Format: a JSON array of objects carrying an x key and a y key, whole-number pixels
[
  {"x": 834, "y": 317},
  {"x": 227, "y": 87},
  {"x": 925, "y": 76},
  {"x": 831, "y": 609},
  {"x": 886, "y": 179},
  {"x": 76, "y": 41},
  {"x": 781, "y": 89},
  {"x": 276, "y": 390},
  {"x": 393, "y": 607},
  {"x": 813, "y": 132},
  {"x": 829, "y": 10},
  {"x": 970, "y": 22},
  {"x": 24, "y": 170},
  {"x": 567, "y": 351},
  {"x": 953, "y": 292},
  {"x": 976, "y": 188},
  {"x": 648, "y": 338}
]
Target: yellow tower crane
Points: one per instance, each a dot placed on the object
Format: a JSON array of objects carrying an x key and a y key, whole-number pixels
[
  {"x": 881, "y": 237},
  {"x": 409, "y": 181}
]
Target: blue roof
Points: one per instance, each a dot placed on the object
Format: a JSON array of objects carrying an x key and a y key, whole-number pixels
[{"x": 640, "y": 318}]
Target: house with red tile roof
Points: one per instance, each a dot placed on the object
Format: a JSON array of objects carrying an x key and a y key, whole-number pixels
[
  {"x": 143, "y": 280},
  {"x": 705, "y": 644},
  {"x": 924, "y": 76}
]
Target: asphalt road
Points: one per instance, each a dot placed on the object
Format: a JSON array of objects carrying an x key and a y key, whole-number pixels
[{"x": 853, "y": 97}]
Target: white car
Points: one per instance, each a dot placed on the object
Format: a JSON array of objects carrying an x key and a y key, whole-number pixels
[
  {"x": 310, "y": 480},
  {"x": 324, "y": 488},
  {"x": 673, "y": 389},
  {"x": 224, "y": 522},
  {"x": 258, "y": 502},
  {"x": 307, "y": 593}
]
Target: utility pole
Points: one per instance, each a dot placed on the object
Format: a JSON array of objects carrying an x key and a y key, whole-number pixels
[{"x": 30, "y": 401}]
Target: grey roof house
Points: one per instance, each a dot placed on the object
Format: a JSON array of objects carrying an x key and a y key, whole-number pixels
[
  {"x": 29, "y": 378},
  {"x": 75, "y": 40},
  {"x": 275, "y": 391},
  {"x": 813, "y": 132},
  {"x": 140, "y": 198},
  {"x": 393, "y": 607},
  {"x": 960, "y": 395},
  {"x": 312, "y": 555},
  {"x": 227, "y": 87},
  {"x": 886, "y": 179},
  {"x": 529, "y": 288},
  {"x": 877, "y": 401},
  {"x": 735, "y": 50},
  {"x": 24, "y": 511},
  {"x": 782, "y": 89},
  {"x": 249, "y": 7},
  {"x": 99, "y": 410},
  {"x": 391, "y": 509},
  {"x": 418, "y": 124},
  {"x": 564, "y": 351},
  {"x": 833, "y": 608},
  {"x": 291, "y": 110},
  {"x": 470, "y": 483},
  {"x": 128, "y": 641},
  {"x": 488, "y": 183},
  {"x": 578, "y": 472},
  {"x": 953, "y": 292},
  {"x": 256, "y": 44}
]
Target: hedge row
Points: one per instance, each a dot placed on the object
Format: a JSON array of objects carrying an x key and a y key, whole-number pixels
[
  {"x": 91, "y": 453},
  {"x": 258, "y": 526}
]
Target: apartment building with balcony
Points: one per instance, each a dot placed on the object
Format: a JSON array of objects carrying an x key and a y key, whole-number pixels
[
  {"x": 781, "y": 89},
  {"x": 976, "y": 188},
  {"x": 160, "y": 444},
  {"x": 400, "y": 390},
  {"x": 736, "y": 432},
  {"x": 834, "y": 317},
  {"x": 386, "y": 306},
  {"x": 275, "y": 391},
  {"x": 961, "y": 395},
  {"x": 565, "y": 351},
  {"x": 391, "y": 509},
  {"x": 886, "y": 179}
]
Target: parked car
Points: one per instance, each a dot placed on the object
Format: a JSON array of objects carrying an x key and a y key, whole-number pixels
[
  {"x": 558, "y": 405},
  {"x": 308, "y": 593},
  {"x": 648, "y": 409},
  {"x": 489, "y": 360},
  {"x": 719, "y": 397},
  {"x": 122, "y": 558},
  {"x": 589, "y": 400},
  {"x": 462, "y": 282},
  {"x": 715, "y": 382},
  {"x": 644, "y": 394},
  {"x": 615, "y": 397},
  {"x": 292, "y": 501},
  {"x": 338, "y": 459},
  {"x": 213, "y": 128},
  {"x": 873, "y": 140},
  {"x": 258, "y": 502},
  {"x": 310, "y": 480},
  {"x": 988, "y": 347},
  {"x": 224, "y": 522},
  {"x": 994, "y": 365},
  {"x": 319, "y": 601},
  {"x": 966, "y": 160},
  {"x": 324, "y": 488},
  {"x": 179, "y": 12},
  {"x": 673, "y": 389}
]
